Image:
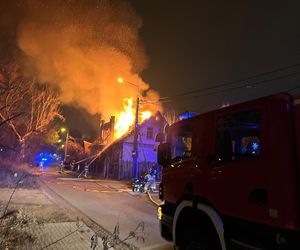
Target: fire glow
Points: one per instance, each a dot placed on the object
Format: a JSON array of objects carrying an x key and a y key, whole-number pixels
[{"x": 126, "y": 118}]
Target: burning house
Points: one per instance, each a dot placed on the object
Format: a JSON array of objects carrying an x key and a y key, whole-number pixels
[
  {"x": 115, "y": 161},
  {"x": 106, "y": 135}
]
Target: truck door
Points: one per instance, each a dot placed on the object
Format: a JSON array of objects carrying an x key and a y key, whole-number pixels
[
  {"x": 177, "y": 177},
  {"x": 239, "y": 176}
]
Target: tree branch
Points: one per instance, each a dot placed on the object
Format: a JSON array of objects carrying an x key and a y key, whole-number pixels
[{"x": 11, "y": 118}]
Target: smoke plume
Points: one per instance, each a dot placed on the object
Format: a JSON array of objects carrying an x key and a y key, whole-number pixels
[{"x": 82, "y": 47}]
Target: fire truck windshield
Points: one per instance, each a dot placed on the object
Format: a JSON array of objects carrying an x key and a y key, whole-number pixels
[{"x": 181, "y": 144}]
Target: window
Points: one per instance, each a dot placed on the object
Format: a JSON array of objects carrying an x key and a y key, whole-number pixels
[
  {"x": 181, "y": 144},
  {"x": 238, "y": 136},
  {"x": 149, "y": 133}
]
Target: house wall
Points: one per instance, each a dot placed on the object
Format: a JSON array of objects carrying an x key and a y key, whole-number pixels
[
  {"x": 145, "y": 152},
  {"x": 146, "y": 146},
  {"x": 116, "y": 161},
  {"x": 107, "y": 165},
  {"x": 147, "y": 149}
]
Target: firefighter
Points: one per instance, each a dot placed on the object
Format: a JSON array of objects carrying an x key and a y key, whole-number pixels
[
  {"x": 72, "y": 165},
  {"x": 150, "y": 179},
  {"x": 78, "y": 167},
  {"x": 61, "y": 167},
  {"x": 86, "y": 170},
  {"x": 94, "y": 241},
  {"x": 41, "y": 166}
]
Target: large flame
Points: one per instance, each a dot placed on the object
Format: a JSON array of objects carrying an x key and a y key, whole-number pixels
[
  {"x": 126, "y": 118},
  {"x": 145, "y": 115}
]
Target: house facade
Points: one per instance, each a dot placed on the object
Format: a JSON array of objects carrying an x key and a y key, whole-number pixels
[{"x": 115, "y": 162}]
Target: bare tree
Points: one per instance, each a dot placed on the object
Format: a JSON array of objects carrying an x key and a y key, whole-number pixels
[
  {"x": 39, "y": 104},
  {"x": 170, "y": 117},
  {"x": 75, "y": 149}
]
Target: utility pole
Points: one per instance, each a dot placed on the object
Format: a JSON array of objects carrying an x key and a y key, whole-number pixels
[
  {"x": 135, "y": 150},
  {"x": 135, "y": 141},
  {"x": 66, "y": 146}
]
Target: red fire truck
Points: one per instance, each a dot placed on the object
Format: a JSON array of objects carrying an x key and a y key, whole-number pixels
[{"x": 231, "y": 177}]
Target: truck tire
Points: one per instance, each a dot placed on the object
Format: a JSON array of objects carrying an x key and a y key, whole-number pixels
[
  {"x": 197, "y": 240},
  {"x": 189, "y": 241}
]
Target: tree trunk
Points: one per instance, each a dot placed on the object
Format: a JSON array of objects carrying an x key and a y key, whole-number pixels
[{"x": 22, "y": 150}]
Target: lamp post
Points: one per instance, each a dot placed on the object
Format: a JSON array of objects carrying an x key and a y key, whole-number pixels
[
  {"x": 135, "y": 140},
  {"x": 135, "y": 136},
  {"x": 66, "y": 147},
  {"x": 63, "y": 130}
]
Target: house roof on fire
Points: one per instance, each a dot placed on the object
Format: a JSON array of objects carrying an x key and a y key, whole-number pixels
[{"x": 131, "y": 130}]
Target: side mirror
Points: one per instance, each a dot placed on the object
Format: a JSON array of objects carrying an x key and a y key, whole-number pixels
[
  {"x": 160, "y": 137},
  {"x": 162, "y": 154},
  {"x": 166, "y": 129}
]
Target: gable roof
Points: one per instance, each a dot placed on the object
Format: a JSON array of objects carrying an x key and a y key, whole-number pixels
[{"x": 131, "y": 130}]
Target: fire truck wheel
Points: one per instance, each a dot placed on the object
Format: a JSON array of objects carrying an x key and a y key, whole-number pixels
[
  {"x": 193, "y": 240},
  {"x": 190, "y": 242}
]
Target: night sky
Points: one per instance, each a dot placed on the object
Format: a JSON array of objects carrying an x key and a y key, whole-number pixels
[{"x": 197, "y": 44}]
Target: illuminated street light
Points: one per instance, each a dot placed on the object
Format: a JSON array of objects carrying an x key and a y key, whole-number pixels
[
  {"x": 63, "y": 130},
  {"x": 120, "y": 80},
  {"x": 135, "y": 138},
  {"x": 65, "y": 146}
]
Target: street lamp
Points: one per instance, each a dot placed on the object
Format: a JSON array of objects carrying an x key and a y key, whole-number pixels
[
  {"x": 135, "y": 138},
  {"x": 63, "y": 130},
  {"x": 121, "y": 80}
]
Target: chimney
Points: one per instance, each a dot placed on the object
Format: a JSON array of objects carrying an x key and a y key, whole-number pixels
[
  {"x": 101, "y": 130},
  {"x": 112, "y": 128}
]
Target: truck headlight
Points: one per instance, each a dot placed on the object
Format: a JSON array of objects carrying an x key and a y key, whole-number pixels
[{"x": 159, "y": 213}]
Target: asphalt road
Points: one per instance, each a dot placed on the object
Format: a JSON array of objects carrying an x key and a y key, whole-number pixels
[{"x": 108, "y": 203}]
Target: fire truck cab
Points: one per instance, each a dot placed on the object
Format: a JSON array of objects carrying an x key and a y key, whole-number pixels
[{"x": 231, "y": 177}]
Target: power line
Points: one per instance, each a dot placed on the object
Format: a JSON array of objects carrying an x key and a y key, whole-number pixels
[
  {"x": 250, "y": 85},
  {"x": 237, "y": 87},
  {"x": 292, "y": 89},
  {"x": 256, "y": 83},
  {"x": 231, "y": 82}
]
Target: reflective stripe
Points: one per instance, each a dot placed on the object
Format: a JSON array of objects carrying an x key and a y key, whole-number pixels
[
  {"x": 245, "y": 245},
  {"x": 297, "y": 101}
]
